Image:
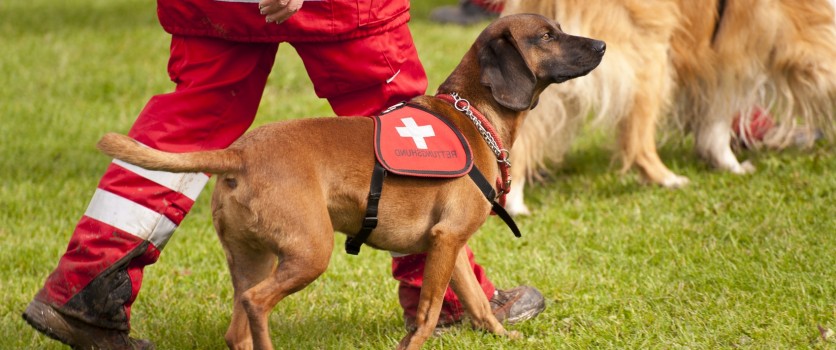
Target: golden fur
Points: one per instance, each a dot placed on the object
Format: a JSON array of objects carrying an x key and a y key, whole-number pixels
[{"x": 664, "y": 60}]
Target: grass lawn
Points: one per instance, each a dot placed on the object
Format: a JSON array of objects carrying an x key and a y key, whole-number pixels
[{"x": 728, "y": 262}]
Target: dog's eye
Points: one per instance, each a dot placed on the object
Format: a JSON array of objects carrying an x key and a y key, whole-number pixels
[{"x": 547, "y": 37}]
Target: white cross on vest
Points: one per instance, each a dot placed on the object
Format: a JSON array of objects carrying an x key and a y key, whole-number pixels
[{"x": 417, "y": 133}]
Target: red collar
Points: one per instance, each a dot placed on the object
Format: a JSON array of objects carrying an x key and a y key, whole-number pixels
[{"x": 503, "y": 185}]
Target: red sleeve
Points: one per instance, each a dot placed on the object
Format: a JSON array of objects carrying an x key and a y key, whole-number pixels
[{"x": 316, "y": 21}]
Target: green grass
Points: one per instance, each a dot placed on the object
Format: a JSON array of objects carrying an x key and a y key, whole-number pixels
[{"x": 728, "y": 262}]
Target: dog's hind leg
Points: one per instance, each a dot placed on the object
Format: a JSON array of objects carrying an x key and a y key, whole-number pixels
[
  {"x": 303, "y": 244},
  {"x": 713, "y": 143},
  {"x": 713, "y": 127},
  {"x": 473, "y": 299},
  {"x": 247, "y": 267}
]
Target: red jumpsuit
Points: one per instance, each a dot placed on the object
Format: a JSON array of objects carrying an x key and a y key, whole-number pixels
[{"x": 360, "y": 57}]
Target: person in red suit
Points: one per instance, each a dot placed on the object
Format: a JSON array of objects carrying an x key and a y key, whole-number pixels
[{"x": 359, "y": 56}]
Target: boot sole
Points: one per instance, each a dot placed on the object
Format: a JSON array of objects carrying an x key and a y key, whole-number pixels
[
  {"x": 50, "y": 322},
  {"x": 525, "y": 316},
  {"x": 33, "y": 320}
]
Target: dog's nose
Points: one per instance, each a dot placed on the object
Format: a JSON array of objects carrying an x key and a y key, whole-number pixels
[{"x": 599, "y": 46}]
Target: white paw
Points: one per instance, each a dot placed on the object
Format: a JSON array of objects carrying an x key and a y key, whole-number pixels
[
  {"x": 675, "y": 181},
  {"x": 515, "y": 201},
  {"x": 517, "y": 209},
  {"x": 743, "y": 168},
  {"x": 748, "y": 167}
]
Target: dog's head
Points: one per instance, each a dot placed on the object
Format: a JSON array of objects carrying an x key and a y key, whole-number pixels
[{"x": 520, "y": 55}]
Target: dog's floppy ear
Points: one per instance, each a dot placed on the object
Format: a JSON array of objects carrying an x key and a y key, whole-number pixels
[{"x": 506, "y": 72}]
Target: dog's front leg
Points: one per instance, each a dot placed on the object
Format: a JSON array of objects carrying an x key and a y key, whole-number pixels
[
  {"x": 441, "y": 257},
  {"x": 515, "y": 201},
  {"x": 637, "y": 131},
  {"x": 473, "y": 299}
]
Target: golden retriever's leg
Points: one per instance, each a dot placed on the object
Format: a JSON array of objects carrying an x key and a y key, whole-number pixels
[
  {"x": 515, "y": 201},
  {"x": 520, "y": 153},
  {"x": 713, "y": 142},
  {"x": 247, "y": 267},
  {"x": 467, "y": 288},
  {"x": 441, "y": 258},
  {"x": 637, "y": 135},
  {"x": 544, "y": 138}
]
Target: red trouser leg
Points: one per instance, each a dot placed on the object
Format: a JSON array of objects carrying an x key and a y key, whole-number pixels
[
  {"x": 409, "y": 270},
  {"x": 360, "y": 78},
  {"x": 134, "y": 211}
]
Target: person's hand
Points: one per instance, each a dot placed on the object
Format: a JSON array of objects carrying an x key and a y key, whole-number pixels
[{"x": 277, "y": 11}]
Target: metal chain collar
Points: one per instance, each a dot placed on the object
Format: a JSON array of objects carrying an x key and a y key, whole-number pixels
[{"x": 463, "y": 105}]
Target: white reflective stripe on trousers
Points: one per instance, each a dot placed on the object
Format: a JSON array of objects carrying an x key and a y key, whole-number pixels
[
  {"x": 133, "y": 218},
  {"x": 189, "y": 184},
  {"x": 136, "y": 219}
]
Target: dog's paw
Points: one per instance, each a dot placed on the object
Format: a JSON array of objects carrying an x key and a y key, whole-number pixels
[
  {"x": 517, "y": 209},
  {"x": 675, "y": 181},
  {"x": 515, "y": 200},
  {"x": 513, "y": 335},
  {"x": 743, "y": 168},
  {"x": 748, "y": 167}
]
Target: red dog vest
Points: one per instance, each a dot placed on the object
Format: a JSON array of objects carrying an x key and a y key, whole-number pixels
[{"x": 410, "y": 140}]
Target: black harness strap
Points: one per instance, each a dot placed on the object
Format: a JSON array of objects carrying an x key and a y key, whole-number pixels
[
  {"x": 490, "y": 194},
  {"x": 352, "y": 244}
]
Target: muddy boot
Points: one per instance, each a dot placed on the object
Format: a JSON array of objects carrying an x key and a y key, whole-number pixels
[
  {"x": 509, "y": 306},
  {"x": 78, "y": 334},
  {"x": 95, "y": 314},
  {"x": 517, "y": 304}
]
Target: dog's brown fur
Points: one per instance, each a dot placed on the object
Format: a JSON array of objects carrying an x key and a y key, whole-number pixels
[
  {"x": 665, "y": 59},
  {"x": 284, "y": 188}
]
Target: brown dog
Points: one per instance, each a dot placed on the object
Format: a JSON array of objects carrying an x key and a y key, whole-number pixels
[
  {"x": 701, "y": 62},
  {"x": 284, "y": 188}
]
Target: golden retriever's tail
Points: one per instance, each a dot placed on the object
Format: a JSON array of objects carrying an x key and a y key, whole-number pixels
[{"x": 126, "y": 149}]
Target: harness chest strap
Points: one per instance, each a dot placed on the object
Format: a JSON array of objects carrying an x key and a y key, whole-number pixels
[
  {"x": 490, "y": 195},
  {"x": 353, "y": 244},
  {"x": 385, "y": 162}
]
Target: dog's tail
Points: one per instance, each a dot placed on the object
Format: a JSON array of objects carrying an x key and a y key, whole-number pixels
[{"x": 126, "y": 149}]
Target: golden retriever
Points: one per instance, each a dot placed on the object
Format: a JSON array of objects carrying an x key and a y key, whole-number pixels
[{"x": 693, "y": 64}]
